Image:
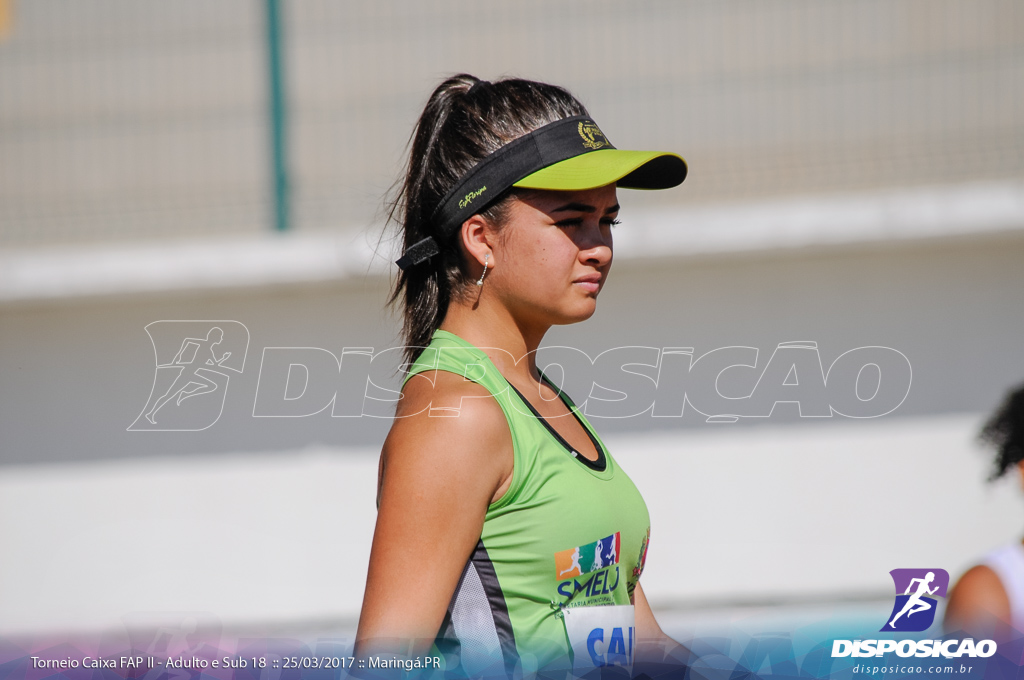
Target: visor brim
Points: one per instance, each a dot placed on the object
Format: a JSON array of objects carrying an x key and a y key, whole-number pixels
[{"x": 625, "y": 169}]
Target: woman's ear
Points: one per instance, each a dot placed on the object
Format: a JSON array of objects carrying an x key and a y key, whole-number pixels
[{"x": 477, "y": 237}]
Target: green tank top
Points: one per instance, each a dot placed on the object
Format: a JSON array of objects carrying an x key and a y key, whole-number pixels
[{"x": 569, "y": 532}]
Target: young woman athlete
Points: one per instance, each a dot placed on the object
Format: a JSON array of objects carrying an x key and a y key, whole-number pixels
[{"x": 507, "y": 537}]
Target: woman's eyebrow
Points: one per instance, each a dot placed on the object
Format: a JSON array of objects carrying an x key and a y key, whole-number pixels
[{"x": 583, "y": 207}]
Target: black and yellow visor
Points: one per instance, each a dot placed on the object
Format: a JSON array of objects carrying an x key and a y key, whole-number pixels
[{"x": 571, "y": 154}]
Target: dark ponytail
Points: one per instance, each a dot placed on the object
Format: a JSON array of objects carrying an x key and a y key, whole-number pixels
[{"x": 464, "y": 121}]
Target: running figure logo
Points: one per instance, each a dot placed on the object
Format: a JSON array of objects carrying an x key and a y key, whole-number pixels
[
  {"x": 574, "y": 564},
  {"x": 584, "y": 559},
  {"x": 194, "y": 362},
  {"x": 914, "y": 609}
]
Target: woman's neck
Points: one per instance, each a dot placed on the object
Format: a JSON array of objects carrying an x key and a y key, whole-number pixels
[{"x": 495, "y": 331}]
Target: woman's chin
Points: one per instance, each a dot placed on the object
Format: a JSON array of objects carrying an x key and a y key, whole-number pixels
[{"x": 579, "y": 312}]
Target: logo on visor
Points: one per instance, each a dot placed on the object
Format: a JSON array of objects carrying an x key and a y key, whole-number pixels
[
  {"x": 914, "y": 610},
  {"x": 470, "y": 196},
  {"x": 592, "y": 136}
]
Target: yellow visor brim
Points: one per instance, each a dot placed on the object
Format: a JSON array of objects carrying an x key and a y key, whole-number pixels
[{"x": 626, "y": 169}]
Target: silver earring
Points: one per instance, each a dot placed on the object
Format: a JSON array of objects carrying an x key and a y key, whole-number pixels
[{"x": 484, "y": 273}]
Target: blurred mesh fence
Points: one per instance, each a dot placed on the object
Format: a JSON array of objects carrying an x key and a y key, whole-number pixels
[{"x": 133, "y": 120}]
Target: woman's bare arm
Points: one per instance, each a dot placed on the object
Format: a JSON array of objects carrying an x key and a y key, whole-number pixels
[
  {"x": 447, "y": 457},
  {"x": 653, "y": 645}
]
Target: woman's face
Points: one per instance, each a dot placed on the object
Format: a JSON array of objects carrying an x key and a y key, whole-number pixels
[{"x": 555, "y": 254}]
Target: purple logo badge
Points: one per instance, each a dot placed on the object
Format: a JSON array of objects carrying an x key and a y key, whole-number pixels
[{"x": 916, "y": 593}]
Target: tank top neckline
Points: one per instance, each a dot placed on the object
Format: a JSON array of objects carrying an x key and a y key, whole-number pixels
[{"x": 599, "y": 465}]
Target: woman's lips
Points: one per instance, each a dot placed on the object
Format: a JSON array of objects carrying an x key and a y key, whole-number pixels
[{"x": 589, "y": 283}]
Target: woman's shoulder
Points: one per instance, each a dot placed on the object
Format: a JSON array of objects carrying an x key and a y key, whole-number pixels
[
  {"x": 445, "y": 422},
  {"x": 977, "y": 598},
  {"x": 442, "y": 394}
]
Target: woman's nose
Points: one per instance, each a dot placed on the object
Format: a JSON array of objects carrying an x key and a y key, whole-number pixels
[{"x": 596, "y": 245}]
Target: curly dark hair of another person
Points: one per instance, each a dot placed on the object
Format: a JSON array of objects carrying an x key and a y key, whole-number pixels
[
  {"x": 1005, "y": 431},
  {"x": 460, "y": 126}
]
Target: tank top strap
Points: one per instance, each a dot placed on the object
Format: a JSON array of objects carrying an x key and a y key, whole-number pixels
[{"x": 448, "y": 352}]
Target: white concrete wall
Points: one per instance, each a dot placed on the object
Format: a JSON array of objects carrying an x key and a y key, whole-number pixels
[{"x": 798, "y": 513}]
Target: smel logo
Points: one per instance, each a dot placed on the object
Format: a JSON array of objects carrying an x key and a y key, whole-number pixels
[
  {"x": 194, "y": 362},
  {"x": 916, "y": 593}
]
